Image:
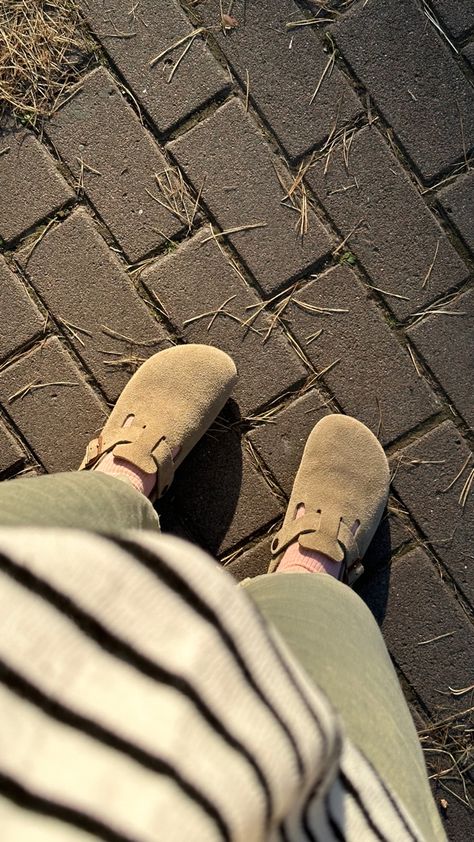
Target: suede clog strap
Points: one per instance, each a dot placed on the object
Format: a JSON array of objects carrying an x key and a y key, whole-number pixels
[
  {"x": 321, "y": 531},
  {"x": 146, "y": 448}
]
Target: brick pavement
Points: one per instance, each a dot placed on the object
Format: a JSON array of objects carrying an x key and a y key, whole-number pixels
[{"x": 341, "y": 151}]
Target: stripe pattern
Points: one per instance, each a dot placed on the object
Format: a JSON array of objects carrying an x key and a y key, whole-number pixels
[{"x": 142, "y": 697}]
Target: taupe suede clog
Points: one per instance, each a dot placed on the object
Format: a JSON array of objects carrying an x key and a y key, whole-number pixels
[
  {"x": 343, "y": 483},
  {"x": 168, "y": 403}
]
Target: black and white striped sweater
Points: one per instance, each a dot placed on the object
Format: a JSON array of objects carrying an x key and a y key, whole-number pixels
[{"x": 142, "y": 697}]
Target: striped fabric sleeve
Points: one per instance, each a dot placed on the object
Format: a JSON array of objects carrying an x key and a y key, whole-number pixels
[{"x": 142, "y": 697}]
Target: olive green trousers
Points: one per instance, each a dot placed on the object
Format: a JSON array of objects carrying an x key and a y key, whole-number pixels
[{"x": 323, "y": 622}]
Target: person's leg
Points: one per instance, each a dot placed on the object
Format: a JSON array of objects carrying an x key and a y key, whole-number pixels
[
  {"x": 78, "y": 500},
  {"x": 337, "y": 641}
]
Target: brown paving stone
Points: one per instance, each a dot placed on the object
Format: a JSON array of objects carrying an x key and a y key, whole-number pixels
[
  {"x": 374, "y": 379},
  {"x": 412, "y": 77},
  {"x": 421, "y": 607},
  {"x": 31, "y": 187},
  {"x": 262, "y": 41},
  {"x": 252, "y": 562},
  {"x": 196, "y": 279},
  {"x": 57, "y": 421},
  {"x": 21, "y": 319},
  {"x": 127, "y": 168},
  {"x": 280, "y": 442},
  {"x": 447, "y": 345},
  {"x": 221, "y": 494},
  {"x": 230, "y": 160},
  {"x": 82, "y": 282},
  {"x": 393, "y": 233},
  {"x": 455, "y": 15},
  {"x": 11, "y": 454},
  {"x": 156, "y": 26},
  {"x": 458, "y": 203},
  {"x": 423, "y": 471}
]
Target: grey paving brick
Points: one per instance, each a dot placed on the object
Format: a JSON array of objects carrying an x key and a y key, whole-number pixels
[
  {"x": 446, "y": 343},
  {"x": 21, "y": 319},
  {"x": 197, "y": 279},
  {"x": 230, "y": 160},
  {"x": 458, "y": 203},
  {"x": 413, "y": 78},
  {"x": 280, "y": 442},
  {"x": 11, "y": 454},
  {"x": 252, "y": 562},
  {"x": 457, "y": 16},
  {"x": 57, "y": 420},
  {"x": 419, "y": 608},
  {"x": 422, "y": 473},
  {"x": 371, "y": 376},
  {"x": 221, "y": 494},
  {"x": 147, "y": 31},
  {"x": 297, "y": 61},
  {"x": 125, "y": 160},
  {"x": 31, "y": 187},
  {"x": 86, "y": 288},
  {"x": 392, "y": 232}
]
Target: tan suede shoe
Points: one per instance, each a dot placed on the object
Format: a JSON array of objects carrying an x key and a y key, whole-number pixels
[
  {"x": 343, "y": 483},
  {"x": 172, "y": 398}
]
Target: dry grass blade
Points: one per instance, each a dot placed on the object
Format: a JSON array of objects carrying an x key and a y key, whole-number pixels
[
  {"x": 320, "y": 311},
  {"x": 123, "y": 338},
  {"x": 433, "y": 20},
  {"x": 348, "y": 236},
  {"x": 180, "y": 59},
  {"x": 323, "y": 372},
  {"x": 73, "y": 330},
  {"x": 391, "y": 294},
  {"x": 450, "y": 740},
  {"x": 130, "y": 362},
  {"x": 458, "y": 475},
  {"x": 466, "y": 489},
  {"x": 431, "y": 267},
  {"x": 34, "y": 385},
  {"x": 37, "y": 241},
  {"x": 327, "y": 71},
  {"x": 461, "y": 691},
  {"x": 313, "y": 336},
  {"x": 413, "y": 359},
  {"x": 296, "y": 24},
  {"x": 235, "y": 230},
  {"x": 190, "y": 36},
  {"x": 434, "y": 639},
  {"x": 44, "y": 48},
  {"x": 175, "y": 196}
]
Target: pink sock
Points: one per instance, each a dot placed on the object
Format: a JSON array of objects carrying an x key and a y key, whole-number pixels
[
  {"x": 299, "y": 560},
  {"x": 120, "y": 468}
]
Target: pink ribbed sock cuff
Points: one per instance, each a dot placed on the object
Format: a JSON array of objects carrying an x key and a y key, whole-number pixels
[
  {"x": 120, "y": 468},
  {"x": 298, "y": 560}
]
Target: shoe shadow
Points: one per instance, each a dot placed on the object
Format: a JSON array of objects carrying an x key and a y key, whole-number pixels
[
  {"x": 205, "y": 491},
  {"x": 373, "y": 586}
]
